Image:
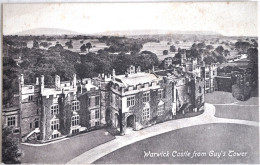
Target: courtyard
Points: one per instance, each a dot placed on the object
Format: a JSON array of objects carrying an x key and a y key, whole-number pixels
[
  {"x": 65, "y": 150},
  {"x": 202, "y": 138},
  {"x": 219, "y": 128},
  {"x": 229, "y": 107}
]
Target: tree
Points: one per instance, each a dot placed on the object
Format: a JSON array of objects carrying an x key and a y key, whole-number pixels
[
  {"x": 226, "y": 52},
  {"x": 172, "y": 48},
  {"x": 209, "y": 47},
  {"x": 10, "y": 151},
  {"x": 165, "y": 52},
  {"x": 220, "y": 50},
  {"x": 209, "y": 60},
  {"x": 88, "y": 46},
  {"x": 221, "y": 59},
  {"x": 83, "y": 48},
  {"x": 201, "y": 45},
  {"x": 35, "y": 44}
]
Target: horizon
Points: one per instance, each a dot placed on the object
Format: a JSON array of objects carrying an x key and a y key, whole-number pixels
[
  {"x": 116, "y": 33},
  {"x": 227, "y": 19}
]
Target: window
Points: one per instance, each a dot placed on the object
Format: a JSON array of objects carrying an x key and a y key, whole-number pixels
[
  {"x": 55, "y": 124},
  {"x": 213, "y": 73},
  {"x": 30, "y": 125},
  {"x": 97, "y": 114},
  {"x": 97, "y": 100},
  {"x": 89, "y": 101},
  {"x": 207, "y": 84},
  {"x": 200, "y": 89},
  {"x": 54, "y": 109},
  {"x": 200, "y": 99},
  {"x": 188, "y": 90},
  {"x": 11, "y": 121},
  {"x": 55, "y": 136},
  {"x": 30, "y": 98},
  {"x": 146, "y": 114},
  {"x": 146, "y": 97},
  {"x": 75, "y": 120},
  {"x": 111, "y": 98},
  {"x": 75, "y": 106},
  {"x": 131, "y": 101},
  {"x": 160, "y": 93},
  {"x": 207, "y": 74},
  {"x": 97, "y": 123},
  {"x": 36, "y": 123},
  {"x": 117, "y": 101},
  {"x": 160, "y": 110},
  {"x": 75, "y": 131}
]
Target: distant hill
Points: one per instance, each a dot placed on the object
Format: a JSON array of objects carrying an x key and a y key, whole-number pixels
[
  {"x": 157, "y": 32},
  {"x": 56, "y": 31},
  {"x": 47, "y": 31}
]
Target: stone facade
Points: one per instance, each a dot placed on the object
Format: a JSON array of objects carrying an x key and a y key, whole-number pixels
[{"x": 132, "y": 101}]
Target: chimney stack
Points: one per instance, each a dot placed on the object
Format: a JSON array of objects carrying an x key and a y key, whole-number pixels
[
  {"x": 21, "y": 79},
  {"x": 74, "y": 81},
  {"x": 37, "y": 81},
  {"x": 113, "y": 74},
  {"x": 42, "y": 83},
  {"x": 57, "y": 82}
]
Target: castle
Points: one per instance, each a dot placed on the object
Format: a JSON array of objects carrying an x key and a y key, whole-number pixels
[{"x": 134, "y": 100}]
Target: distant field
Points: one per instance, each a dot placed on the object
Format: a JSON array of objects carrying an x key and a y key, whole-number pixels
[
  {"x": 96, "y": 45},
  {"x": 158, "y": 48}
]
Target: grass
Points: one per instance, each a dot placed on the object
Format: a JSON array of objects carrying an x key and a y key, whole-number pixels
[
  {"x": 237, "y": 112},
  {"x": 203, "y": 138},
  {"x": 234, "y": 109},
  {"x": 64, "y": 151}
]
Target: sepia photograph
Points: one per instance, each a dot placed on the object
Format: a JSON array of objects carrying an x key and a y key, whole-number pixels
[{"x": 130, "y": 83}]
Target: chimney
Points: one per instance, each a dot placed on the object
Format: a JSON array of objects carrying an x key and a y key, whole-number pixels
[
  {"x": 74, "y": 81},
  {"x": 138, "y": 70},
  {"x": 21, "y": 79},
  {"x": 113, "y": 74},
  {"x": 57, "y": 82},
  {"x": 126, "y": 74},
  {"x": 153, "y": 68},
  {"x": 42, "y": 83},
  {"x": 37, "y": 81}
]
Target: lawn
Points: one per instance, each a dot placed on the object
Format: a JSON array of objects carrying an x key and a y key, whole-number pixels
[
  {"x": 219, "y": 97},
  {"x": 202, "y": 138},
  {"x": 64, "y": 151},
  {"x": 234, "y": 109},
  {"x": 237, "y": 112}
]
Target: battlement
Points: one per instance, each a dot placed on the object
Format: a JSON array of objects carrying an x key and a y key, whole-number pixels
[
  {"x": 105, "y": 77},
  {"x": 143, "y": 86},
  {"x": 57, "y": 88}
]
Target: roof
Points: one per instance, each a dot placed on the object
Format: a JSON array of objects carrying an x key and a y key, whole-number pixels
[{"x": 136, "y": 78}]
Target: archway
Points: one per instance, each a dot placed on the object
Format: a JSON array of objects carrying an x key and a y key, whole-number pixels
[{"x": 130, "y": 121}]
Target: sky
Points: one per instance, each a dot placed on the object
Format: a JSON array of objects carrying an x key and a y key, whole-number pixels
[{"x": 226, "y": 18}]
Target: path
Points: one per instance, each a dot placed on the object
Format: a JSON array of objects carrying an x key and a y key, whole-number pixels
[{"x": 206, "y": 118}]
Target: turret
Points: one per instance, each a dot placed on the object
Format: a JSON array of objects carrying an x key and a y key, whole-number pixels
[
  {"x": 57, "y": 82},
  {"x": 138, "y": 70},
  {"x": 37, "y": 81},
  {"x": 21, "y": 79},
  {"x": 113, "y": 74},
  {"x": 74, "y": 81},
  {"x": 42, "y": 83}
]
